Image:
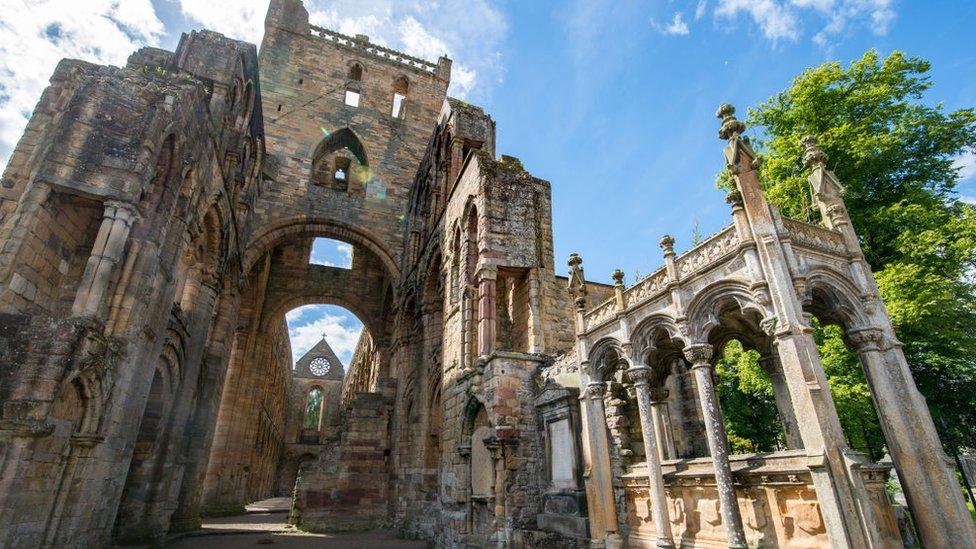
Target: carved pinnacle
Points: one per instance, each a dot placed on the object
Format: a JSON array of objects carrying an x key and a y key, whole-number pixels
[
  {"x": 731, "y": 126},
  {"x": 812, "y": 154}
]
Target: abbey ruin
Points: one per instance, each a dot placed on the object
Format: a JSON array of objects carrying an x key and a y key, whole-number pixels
[{"x": 155, "y": 227}]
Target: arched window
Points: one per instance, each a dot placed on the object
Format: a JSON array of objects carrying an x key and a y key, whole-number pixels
[
  {"x": 400, "y": 87},
  {"x": 356, "y": 72},
  {"x": 313, "y": 409},
  {"x": 340, "y": 162}
]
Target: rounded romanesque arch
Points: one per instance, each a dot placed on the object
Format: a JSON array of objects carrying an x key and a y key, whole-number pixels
[
  {"x": 605, "y": 358},
  {"x": 297, "y": 227},
  {"x": 834, "y": 299},
  {"x": 649, "y": 330},
  {"x": 704, "y": 311},
  {"x": 372, "y": 324}
]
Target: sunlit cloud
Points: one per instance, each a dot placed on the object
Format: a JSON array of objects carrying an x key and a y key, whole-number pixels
[
  {"x": 36, "y": 34},
  {"x": 309, "y": 324}
]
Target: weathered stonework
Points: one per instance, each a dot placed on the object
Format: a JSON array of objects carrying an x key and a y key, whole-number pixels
[{"x": 156, "y": 223}]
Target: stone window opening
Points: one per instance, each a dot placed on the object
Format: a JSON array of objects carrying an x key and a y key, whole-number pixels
[
  {"x": 355, "y": 72},
  {"x": 340, "y": 162},
  {"x": 313, "y": 409},
  {"x": 340, "y": 177},
  {"x": 456, "y": 265},
  {"x": 513, "y": 310},
  {"x": 331, "y": 253},
  {"x": 400, "y": 87}
]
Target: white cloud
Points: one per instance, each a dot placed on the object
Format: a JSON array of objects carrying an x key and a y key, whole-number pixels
[
  {"x": 470, "y": 32},
  {"x": 700, "y": 9},
  {"x": 342, "y": 332},
  {"x": 36, "y": 34},
  {"x": 781, "y": 19},
  {"x": 240, "y": 19},
  {"x": 776, "y": 21},
  {"x": 677, "y": 26},
  {"x": 965, "y": 165}
]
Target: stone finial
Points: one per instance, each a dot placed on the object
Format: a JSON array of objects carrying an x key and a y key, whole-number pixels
[
  {"x": 734, "y": 198},
  {"x": 577, "y": 284},
  {"x": 618, "y": 277},
  {"x": 574, "y": 260},
  {"x": 730, "y": 124},
  {"x": 812, "y": 154},
  {"x": 667, "y": 244}
]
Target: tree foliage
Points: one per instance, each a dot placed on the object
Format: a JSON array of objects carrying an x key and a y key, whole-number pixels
[{"x": 894, "y": 153}]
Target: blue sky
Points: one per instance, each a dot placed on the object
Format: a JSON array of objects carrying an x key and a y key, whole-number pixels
[{"x": 611, "y": 101}]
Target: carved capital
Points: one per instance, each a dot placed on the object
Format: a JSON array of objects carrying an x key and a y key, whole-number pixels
[
  {"x": 122, "y": 210},
  {"x": 864, "y": 340},
  {"x": 595, "y": 390},
  {"x": 699, "y": 354},
  {"x": 639, "y": 375},
  {"x": 659, "y": 394}
]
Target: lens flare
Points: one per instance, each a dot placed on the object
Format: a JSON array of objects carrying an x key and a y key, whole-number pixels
[{"x": 325, "y": 132}]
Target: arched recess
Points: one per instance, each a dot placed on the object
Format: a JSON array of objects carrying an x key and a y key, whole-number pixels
[
  {"x": 705, "y": 308},
  {"x": 342, "y": 139},
  {"x": 302, "y": 226},
  {"x": 753, "y": 391},
  {"x": 605, "y": 357},
  {"x": 329, "y": 161},
  {"x": 838, "y": 310},
  {"x": 834, "y": 299},
  {"x": 478, "y": 486}
]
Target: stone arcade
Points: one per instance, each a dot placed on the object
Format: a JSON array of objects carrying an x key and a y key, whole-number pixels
[{"x": 156, "y": 222}]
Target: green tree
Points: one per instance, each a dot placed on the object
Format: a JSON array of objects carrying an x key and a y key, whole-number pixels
[
  {"x": 748, "y": 405},
  {"x": 894, "y": 153}
]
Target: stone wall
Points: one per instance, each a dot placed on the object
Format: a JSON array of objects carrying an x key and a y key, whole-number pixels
[{"x": 117, "y": 217}]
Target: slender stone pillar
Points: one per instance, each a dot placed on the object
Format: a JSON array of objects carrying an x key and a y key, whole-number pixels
[
  {"x": 106, "y": 253},
  {"x": 600, "y": 475},
  {"x": 661, "y": 418},
  {"x": 487, "y": 314},
  {"x": 931, "y": 488},
  {"x": 784, "y": 405},
  {"x": 640, "y": 375},
  {"x": 700, "y": 356}
]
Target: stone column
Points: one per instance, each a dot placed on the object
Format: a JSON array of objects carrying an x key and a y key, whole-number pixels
[
  {"x": 106, "y": 253},
  {"x": 931, "y": 488},
  {"x": 640, "y": 375},
  {"x": 784, "y": 405},
  {"x": 661, "y": 418},
  {"x": 495, "y": 447},
  {"x": 700, "y": 356},
  {"x": 601, "y": 478},
  {"x": 487, "y": 315},
  {"x": 467, "y": 361}
]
